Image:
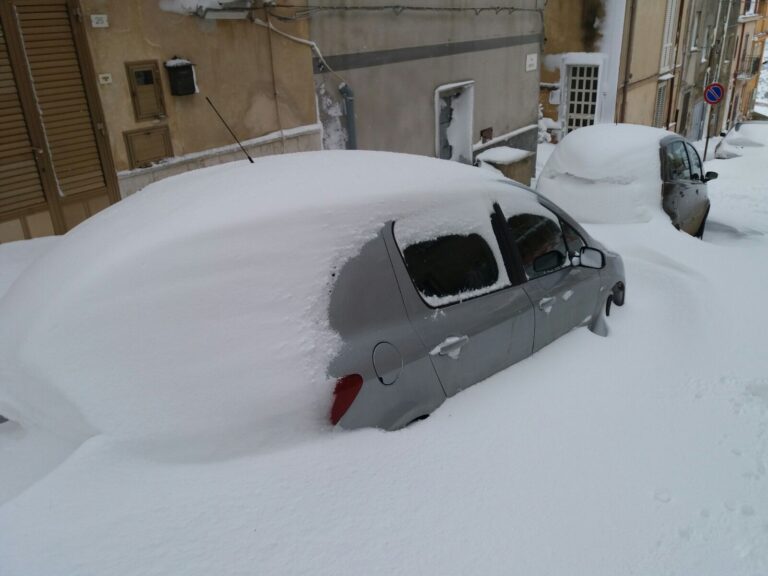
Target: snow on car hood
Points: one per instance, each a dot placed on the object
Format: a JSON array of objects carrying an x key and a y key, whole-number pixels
[
  {"x": 608, "y": 173},
  {"x": 197, "y": 308}
]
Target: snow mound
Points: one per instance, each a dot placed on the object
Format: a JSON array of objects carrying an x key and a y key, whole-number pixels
[
  {"x": 608, "y": 173},
  {"x": 193, "y": 315},
  {"x": 16, "y": 256}
]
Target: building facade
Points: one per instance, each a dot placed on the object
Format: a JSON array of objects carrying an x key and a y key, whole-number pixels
[
  {"x": 446, "y": 80},
  {"x": 579, "y": 78},
  {"x": 101, "y": 97}
]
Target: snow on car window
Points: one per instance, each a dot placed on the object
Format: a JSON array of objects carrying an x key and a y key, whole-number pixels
[{"x": 463, "y": 219}]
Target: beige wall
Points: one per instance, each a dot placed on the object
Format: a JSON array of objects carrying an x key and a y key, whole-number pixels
[
  {"x": 645, "y": 59},
  {"x": 394, "y": 101},
  {"x": 561, "y": 35},
  {"x": 234, "y": 67}
]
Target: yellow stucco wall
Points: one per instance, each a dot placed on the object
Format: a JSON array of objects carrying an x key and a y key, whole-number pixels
[
  {"x": 561, "y": 35},
  {"x": 233, "y": 64}
]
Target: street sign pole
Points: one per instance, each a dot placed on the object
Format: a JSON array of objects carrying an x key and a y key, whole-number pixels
[
  {"x": 713, "y": 94},
  {"x": 706, "y": 144}
]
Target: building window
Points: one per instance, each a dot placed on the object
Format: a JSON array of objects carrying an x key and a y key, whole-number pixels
[
  {"x": 668, "y": 42},
  {"x": 582, "y": 86},
  {"x": 146, "y": 90},
  {"x": 695, "y": 31},
  {"x": 454, "y": 113},
  {"x": 705, "y": 46},
  {"x": 659, "y": 111}
]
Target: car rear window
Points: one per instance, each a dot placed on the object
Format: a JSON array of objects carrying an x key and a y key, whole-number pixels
[{"x": 451, "y": 265}]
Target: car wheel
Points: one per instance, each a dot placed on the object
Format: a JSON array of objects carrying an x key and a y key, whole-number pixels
[{"x": 618, "y": 293}]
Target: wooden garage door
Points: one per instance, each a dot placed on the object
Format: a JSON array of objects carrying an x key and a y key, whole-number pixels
[
  {"x": 20, "y": 185},
  {"x": 57, "y": 78}
]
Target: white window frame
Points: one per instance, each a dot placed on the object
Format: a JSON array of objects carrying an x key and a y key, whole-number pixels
[
  {"x": 668, "y": 39},
  {"x": 462, "y": 130},
  {"x": 694, "y": 35}
]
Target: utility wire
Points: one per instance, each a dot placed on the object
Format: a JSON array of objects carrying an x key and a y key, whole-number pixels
[{"x": 307, "y": 11}]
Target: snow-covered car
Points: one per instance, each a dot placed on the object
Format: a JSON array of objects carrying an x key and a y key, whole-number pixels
[
  {"x": 750, "y": 134},
  {"x": 369, "y": 285},
  {"x": 621, "y": 173}
]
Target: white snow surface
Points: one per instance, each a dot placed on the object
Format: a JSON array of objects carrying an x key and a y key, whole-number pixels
[
  {"x": 199, "y": 323},
  {"x": 645, "y": 452},
  {"x": 607, "y": 173},
  {"x": 503, "y": 155},
  {"x": 15, "y": 257}
]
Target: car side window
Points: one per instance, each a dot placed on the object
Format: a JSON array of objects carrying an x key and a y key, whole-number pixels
[
  {"x": 678, "y": 165},
  {"x": 451, "y": 265},
  {"x": 451, "y": 252},
  {"x": 540, "y": 241},
  {"x": 696, "y": 169},
  {"x": 573, "y": 240}
]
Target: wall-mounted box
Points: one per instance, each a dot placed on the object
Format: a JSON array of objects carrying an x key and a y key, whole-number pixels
[{"x": 181, "y": 76}]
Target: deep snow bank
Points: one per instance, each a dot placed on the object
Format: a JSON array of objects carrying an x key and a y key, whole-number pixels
[{"x": 194, "y": 313}]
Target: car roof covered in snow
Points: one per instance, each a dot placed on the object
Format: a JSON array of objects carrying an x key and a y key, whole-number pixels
[
  {"x": 607, "y": 173},
  {"x": 199, "y": 305}
]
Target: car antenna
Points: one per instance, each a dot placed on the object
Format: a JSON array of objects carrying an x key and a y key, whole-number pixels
[{"x": 230, "y": 130}]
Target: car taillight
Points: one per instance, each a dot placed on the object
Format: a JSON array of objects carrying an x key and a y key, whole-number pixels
[{"x": 344, "y": 394}]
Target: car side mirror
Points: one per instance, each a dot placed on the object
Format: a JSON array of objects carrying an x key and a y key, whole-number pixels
[
  {"x": 548, "y": 261},
  {"x": 710, "y": 176},
  {"x": 591, "y": 258}
]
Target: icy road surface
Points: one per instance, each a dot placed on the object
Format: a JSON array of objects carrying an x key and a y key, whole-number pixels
[{"x": 645, "y": 452}]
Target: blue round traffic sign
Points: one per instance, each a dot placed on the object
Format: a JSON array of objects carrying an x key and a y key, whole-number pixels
[{"x": 714, "y": 93}]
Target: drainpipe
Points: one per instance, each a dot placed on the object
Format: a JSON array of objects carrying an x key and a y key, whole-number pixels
[
  {"x": 349, "y": 105},
  {"x": 628, "y": 61}
]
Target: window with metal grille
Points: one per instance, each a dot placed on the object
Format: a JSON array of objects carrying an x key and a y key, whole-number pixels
[
  {"x": 661, "y": 104},
  {"x": 582, "y": 96}
]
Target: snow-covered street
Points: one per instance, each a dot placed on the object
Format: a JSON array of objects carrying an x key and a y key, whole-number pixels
[{"x": 645, "y": 452}]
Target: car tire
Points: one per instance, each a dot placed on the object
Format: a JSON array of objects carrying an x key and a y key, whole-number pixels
[{"x": 618, "y": 293}]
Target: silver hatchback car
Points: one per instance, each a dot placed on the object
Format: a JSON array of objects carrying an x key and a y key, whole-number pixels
[
  {"x": 439, "y": 301},
  {"x": 240, "y": 297}
]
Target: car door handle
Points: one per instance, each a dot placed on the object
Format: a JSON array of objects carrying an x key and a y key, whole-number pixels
[
  {"x": 450, "y": 347},
  {"x": 545, "y": 302}
]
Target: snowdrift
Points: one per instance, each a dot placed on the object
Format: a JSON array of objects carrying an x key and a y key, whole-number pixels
[
  {"x": 608, "y": 173},
  {"x": 195, "y": 311}
]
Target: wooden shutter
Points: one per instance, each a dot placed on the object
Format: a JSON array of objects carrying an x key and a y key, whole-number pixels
[
  {"x": 20, "y": 185},
  {"x": 57, "y": 79}
]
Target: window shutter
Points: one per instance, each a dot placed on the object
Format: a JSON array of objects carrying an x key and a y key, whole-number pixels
[
  {"x": 668, "y": 42},
  {"x": 20, "y": 185}
]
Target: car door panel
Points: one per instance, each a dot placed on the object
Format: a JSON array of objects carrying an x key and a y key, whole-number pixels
[
  {"x": 468, "y": 340},
  {"x": 562, "y": 300}
]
